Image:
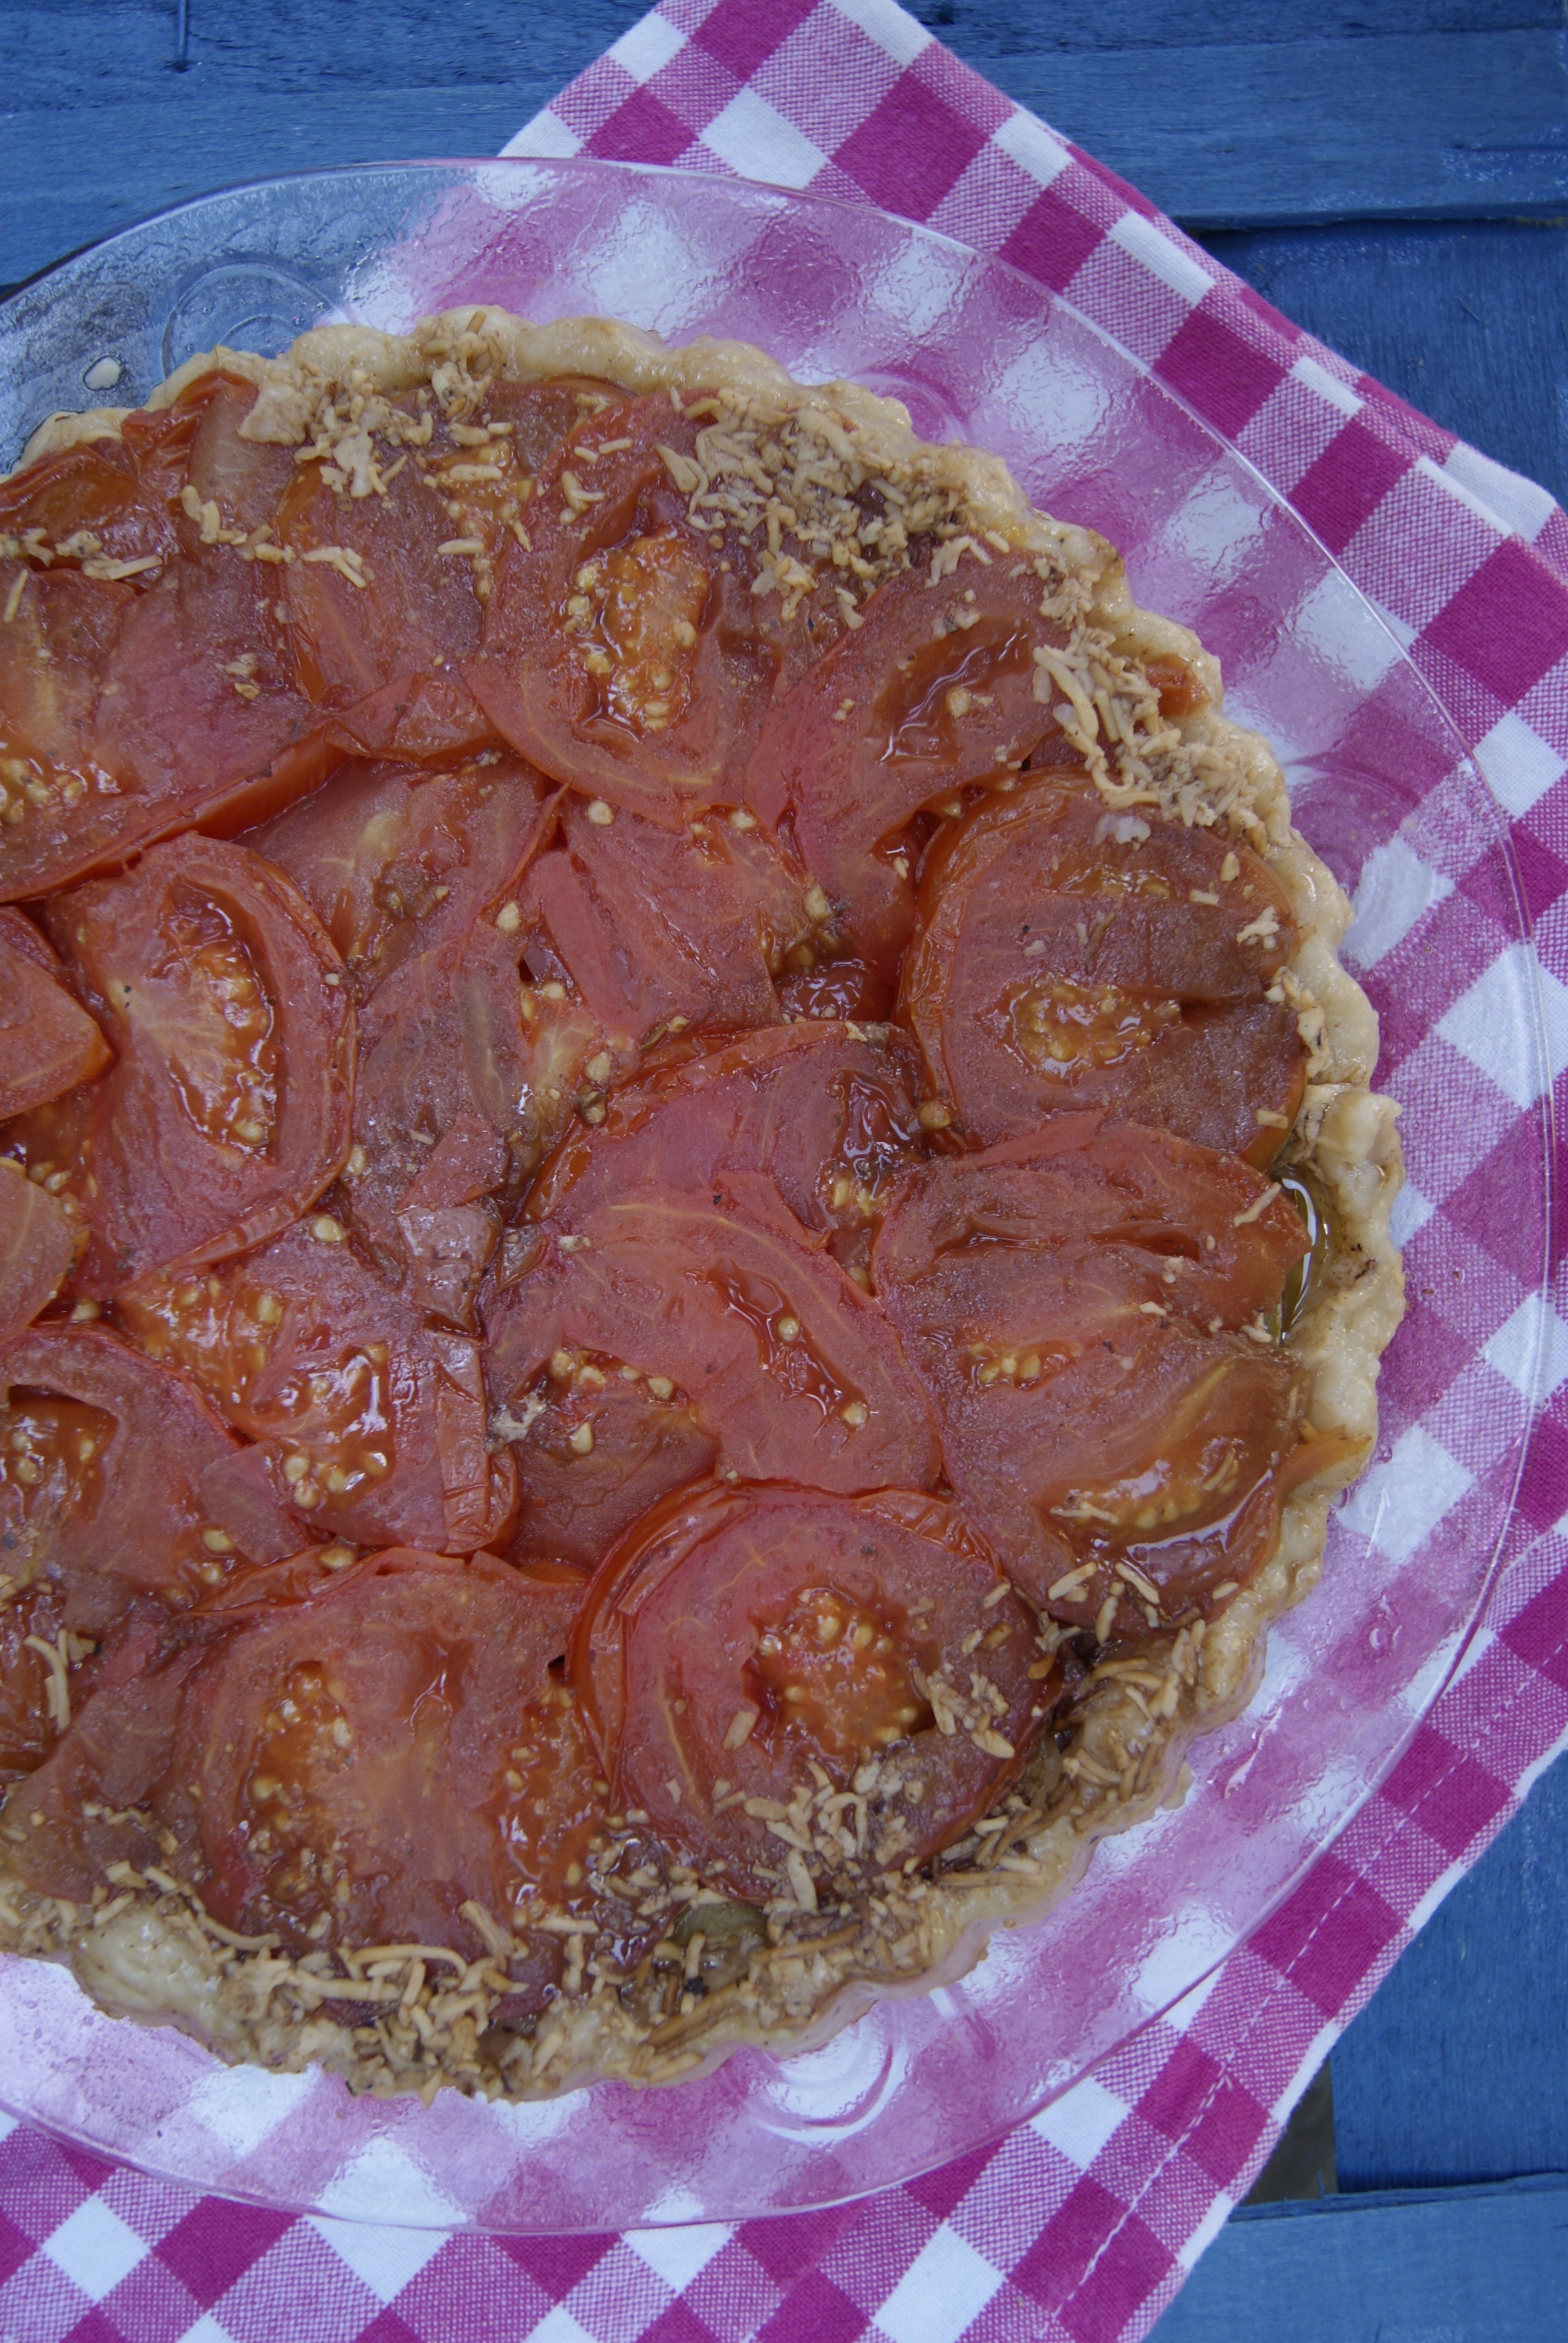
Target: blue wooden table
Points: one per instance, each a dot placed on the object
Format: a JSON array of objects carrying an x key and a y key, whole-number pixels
[{"x": 1394, "y": 178}]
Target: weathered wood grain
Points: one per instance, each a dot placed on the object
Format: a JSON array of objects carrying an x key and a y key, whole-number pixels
[
  {"x": 1457, "y": 2265},
  {"x": 1467, "y": 321},
  {"x": 1438, "y": 109},
  {"x": 1455, "y": 2071}
]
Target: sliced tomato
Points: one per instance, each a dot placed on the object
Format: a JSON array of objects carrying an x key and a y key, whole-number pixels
[
  {"x": 932, "y": 691},
  {"x": 466, "y": 1073},
  {"x": 135, "y": 699},
  {"x": 396, "y": 860},
  {"x": 116, "y": 498},
  {"x": 394, "y": 543},
  {"x": 353, "y": 1766},
  {"x": 1089, "y": 1308},
  {"x": 626, "y": 651},
  {"x": 782, "y": 1679},
  {"x": 647, "y": 923},
  {"x": 118, "y": 1481},
  {"x": 228, "y": 1110},
  {"x": 55, "y": 652},
  {"x": 47, "y": 1043},
  {"x": 827, "y": 1112},
  {"x": 40, "y": 1237},
  {"x": 600, "y": 1451},
  {"x": 724, "y": 1298},
  {"x": 373, "y": 1425},
  {"x": 1069, "y": 957}
]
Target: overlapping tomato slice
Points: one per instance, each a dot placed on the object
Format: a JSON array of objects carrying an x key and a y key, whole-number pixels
[
  {"x": 934, "y": 690},
  {"x": 804, "y": 1691},
  {"x": 146, "y": 687},
  {"x": 826, "y": 1113},
  {"x": 625, "y": 650},
  {"x": 48, "y": 1043},
  {"x": 117, "y": 1480},
  {"x": 394, "y": 542},
  {"x": 1090, "y": 1310},
  {"x": 595, "y": 1448},
  {"x": 40, "y": 1238},
  {"x": 354, "y": 1763},
  {"x": 1069, "y": 957},
  {"x": 786, "y": 1365},
  {"x": 228, "y": 1110},
  {"x": 373, "y": 1424},
  {"x": 648, "y": 924}
]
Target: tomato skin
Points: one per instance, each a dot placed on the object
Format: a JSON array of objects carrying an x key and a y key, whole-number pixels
[
  {"x": 865, "y": 740},
  {"x": 626, "y": 582},
  {"x": 418, "y": 878},
  {"x": 649, "y": 923},
  {"x": 140, "y": 705},
  {"x": 826, "y": 1113},
  {"x": 373, "y": 1422},
  {"x": 126, "y": 1518},
  {"x": 394, "y": 861},
  {"x": 695, "y": 1625},
  {"x": 48, "y": 1043},
  {"x": 384, "y": 654},
  {"x": 575, "y": 1503},
  {"x": 785, "y": 1362},
  {"x": 357, "y": 1747},
  {"x": 1068, "y": 958},
  {"x": 1077, "y": 1304},
  {"x": 227, "y": 1110},
  {"x": 39, "y": 1241}
]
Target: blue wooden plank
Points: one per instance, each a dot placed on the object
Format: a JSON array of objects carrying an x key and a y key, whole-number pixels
[
  {"x": 1224, "y": 115},
  {"x": 1446, "y": 2266},
  {"x": 1457, "y": 2070},
  {"x": 1469, "y": 322}
]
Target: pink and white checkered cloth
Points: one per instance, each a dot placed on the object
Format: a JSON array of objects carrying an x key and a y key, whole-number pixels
[{"x": 1082, "y": 2224}]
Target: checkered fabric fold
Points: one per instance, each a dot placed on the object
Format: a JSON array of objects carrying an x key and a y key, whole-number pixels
[{"x": 1082, "y": 2224}]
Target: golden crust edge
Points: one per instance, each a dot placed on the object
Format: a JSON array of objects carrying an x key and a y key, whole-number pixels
[{"x": 153, "y": 1961}]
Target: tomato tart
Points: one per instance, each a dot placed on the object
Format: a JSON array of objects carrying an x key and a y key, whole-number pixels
[{"x": 691, "y": 1225}]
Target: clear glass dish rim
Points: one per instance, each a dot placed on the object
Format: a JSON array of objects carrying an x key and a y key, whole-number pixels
[{"x": 614, "y": 170}]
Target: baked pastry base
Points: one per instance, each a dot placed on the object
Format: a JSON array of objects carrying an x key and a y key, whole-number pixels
[{"x": 416, "y": 2019}]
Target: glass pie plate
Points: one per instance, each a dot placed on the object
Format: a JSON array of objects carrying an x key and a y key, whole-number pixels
[{"x": 1384, "y": 789}]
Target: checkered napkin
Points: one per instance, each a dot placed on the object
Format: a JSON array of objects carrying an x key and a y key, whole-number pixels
[{"x": 1082, "y": 2224}]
